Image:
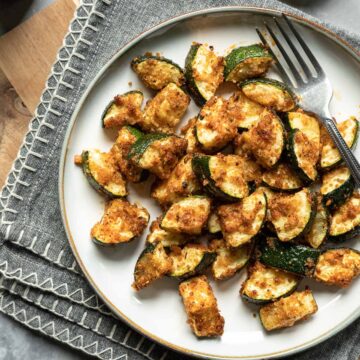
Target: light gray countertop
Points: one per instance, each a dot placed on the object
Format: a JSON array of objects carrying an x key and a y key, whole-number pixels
[{"x": 18, "y": 342}]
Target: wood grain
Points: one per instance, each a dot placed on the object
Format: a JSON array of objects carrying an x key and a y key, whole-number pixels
[{"x": 28, "y": 51}]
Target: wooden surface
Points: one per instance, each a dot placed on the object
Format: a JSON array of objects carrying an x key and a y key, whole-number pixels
[{"x": 26, "y": 55}]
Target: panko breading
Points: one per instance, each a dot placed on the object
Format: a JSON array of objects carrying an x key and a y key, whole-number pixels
[
  {"x": 162, "y": 155},
  {"x": 266, "y": 139},
  {"x": 119, "y": 153},
  {"x": 288, "y": 310},
  {"x": 157, "y": 72},
  {"x": 188, "y": 215},
  {"x": 120, "y": 223},
  {"x": 214, "y": 128},
  {"x": 181, "y": 183},
  {"x": 125, "y": 109},
  {"x": 338, "y": 267},
  {"x": 201, "y": 307},
  {"x": 153, "y": 263},
  {"x": 282, "y": 177},
  {"x": 163, "y": 112},
  {"x": 188, "y": 132}
]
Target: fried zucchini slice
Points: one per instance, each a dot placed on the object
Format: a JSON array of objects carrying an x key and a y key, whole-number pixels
[
  {"x": 303, "y": 155},
  {"x": 292, "y": 215},
  {"x": 345, "y": 221},
  {"x": 320, "y": 227},
  {"x": 266, "y": 139},
  {"x": 228, "y": 260},
  {"x": 242, "y": 221},
  {"x": 158, "y": 153},
  {"x": 181, "y": 183},
  {"x": 127, "y": 136},
  {"x": 296, "y": 259},
  {"x": 338, "y": 267},
  {"x": 265, "y": 284},
  {"x": 269, "y": 93},
  {"x": 188, "y": 132},
  {"x": 188, "y": 215},
  {"x": 166, "y": 238},
  {"x": 204, "y": 72},
  {"x": 121, "y": 223},
  {"x": 282, "y": 178},
  {"x": 123, "y": 110},
  {"x": 156, "y": 72},
  {"x": 165, "y": 110},
  {"x": 245, "y": 112},
  {"x": 337, "y": 185},
  {"x": 330, "y": 156},
  {"x": 152, "y": 264},
  {"x": 288, "y": 311},
  {"x": 192, "y": 259},
  {"x": 102, "y": 173},
  {"x": 221, "y": 176},
  {"x": 201, "y": 307},
  {"x": 214, "y": 128},
  {"x": 247, "y": 62},
  {"x": 213, "y": 224}
]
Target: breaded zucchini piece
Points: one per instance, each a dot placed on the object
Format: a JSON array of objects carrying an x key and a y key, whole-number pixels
[
  {"x": 228, "y": 260},
  {"x": 289, "y": 310},
  {"x": 213, "y": 224},
  {"x": 203, "y": 71},
  {"x": 338, "y": 267},
  {"x": 242, "y": 221},
  {"x": 121, "y": 223},
  {"x": 158, "y": 153},
  {"x": 188, "y": 215},
  {"x": 102, "y": 173},
  {"x": 192, "y": 259},
  {"x": 164, "y": 111},
  {"x": 265, "y": 284},
  {"x": 152, "y": 264},
  {"x": 188, "y": 132},
  {"x": 127, "y": 136},
  {"x": 266, "y": 139},
  {"x": 125, "y": 109},
  {"x": 166, "y": 238},
  {"x": 282, "y": 178},
  {"x": 156, "y": 72},
  {"x": 181, "y": 183},
  {"x": 244, "y": 111},
  {"x": 214, "y": 128},
  {"x": 201, "y": 307}
]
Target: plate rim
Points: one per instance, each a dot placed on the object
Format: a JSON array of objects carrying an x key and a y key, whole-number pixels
[{"x": 64, "y": 150}]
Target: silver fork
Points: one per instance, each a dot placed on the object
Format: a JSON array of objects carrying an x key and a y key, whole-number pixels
[{"x": 315, "y": 93}]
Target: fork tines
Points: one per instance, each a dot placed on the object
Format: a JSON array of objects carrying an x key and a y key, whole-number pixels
[{"x": 293, "y": 70}]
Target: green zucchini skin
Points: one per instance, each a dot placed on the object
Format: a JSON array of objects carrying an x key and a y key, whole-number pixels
[
  {"x": 345, "y": 237},
  {"x": 200, "y": 165},
  {"x": 140, "y": 146},
  {"x": 98, "y": 187},
  {"x": 291, "y": 155},
  {"x": 240, "y": 54},
  {"x": 111, "y": 102},
  {"x": 297, "y": 259}
]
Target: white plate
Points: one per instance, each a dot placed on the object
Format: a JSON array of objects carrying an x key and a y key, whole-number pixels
[{"x": 157, "y": 311}]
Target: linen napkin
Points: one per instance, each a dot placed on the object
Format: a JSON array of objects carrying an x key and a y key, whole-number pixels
[{"x": 41, "y": 285}]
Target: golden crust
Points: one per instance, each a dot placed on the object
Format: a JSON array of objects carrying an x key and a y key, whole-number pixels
[
  {"x": 119, "y": 153},
  {"x": 125, "y": 110},
  {"x": 288, "y": 310},
  {"x": 157, "y": 73},
  {"x": 265, "y": 139},
  {"x": 338, "y": 267},
  {"x": 181, "y": 183},
  {"x": 201, "y": 307},
  {"x": 249, "y": 68},
  {"x": 162, "y": 156},
  {"x": 151, "y": 266},
  {"x": 282, "y": 177},
  {"x": 188, "y": 131},
  {"x": 120, "y": 223},
  {"x": 163, "y": 112}
]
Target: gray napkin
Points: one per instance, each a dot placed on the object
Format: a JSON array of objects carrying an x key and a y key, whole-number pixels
[{"x": 41, "y": 285}]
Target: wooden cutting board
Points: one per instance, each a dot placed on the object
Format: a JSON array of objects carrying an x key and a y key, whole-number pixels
[{"x": 26, "y": 55}]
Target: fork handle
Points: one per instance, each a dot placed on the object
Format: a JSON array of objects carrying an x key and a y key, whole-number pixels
[{"x": 344, "y": 150}]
